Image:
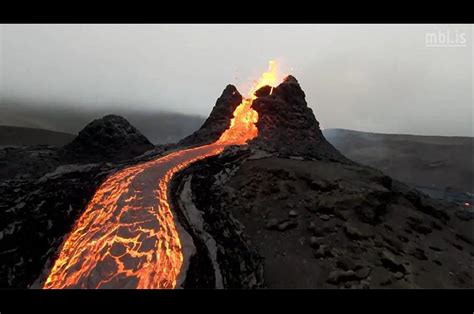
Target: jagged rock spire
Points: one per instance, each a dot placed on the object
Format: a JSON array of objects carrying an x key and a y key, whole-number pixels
[{"x": 219, "y": 119}]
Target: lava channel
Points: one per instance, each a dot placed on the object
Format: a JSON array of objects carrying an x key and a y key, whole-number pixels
[{"x": 127, "y": 237}]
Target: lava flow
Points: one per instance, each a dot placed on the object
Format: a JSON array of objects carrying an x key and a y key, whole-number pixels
[{"x": 126, "y": 237}]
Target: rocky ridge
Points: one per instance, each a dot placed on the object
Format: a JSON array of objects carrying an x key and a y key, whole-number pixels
[{"x": 218, "y": 120}]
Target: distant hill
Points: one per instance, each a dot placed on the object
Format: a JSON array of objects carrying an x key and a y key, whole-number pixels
[
  {"x": 158, "y": 126},
  {"x": 13, "y": 135},
  {"x": 436, "y": 162}
]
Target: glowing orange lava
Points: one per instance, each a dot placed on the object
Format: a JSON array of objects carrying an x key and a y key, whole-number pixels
[
  {"x": 126, "y": 237},
  {"x": 242, "y": 126}
]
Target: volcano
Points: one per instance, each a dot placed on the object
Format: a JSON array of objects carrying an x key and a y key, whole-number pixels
[{"x": 255, "y": 198}]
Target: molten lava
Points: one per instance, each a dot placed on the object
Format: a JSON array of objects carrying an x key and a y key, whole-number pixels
[{"x": 127, "y": 237}]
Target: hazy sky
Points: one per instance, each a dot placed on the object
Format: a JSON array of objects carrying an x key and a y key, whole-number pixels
[{"x": 380, "y": 78}]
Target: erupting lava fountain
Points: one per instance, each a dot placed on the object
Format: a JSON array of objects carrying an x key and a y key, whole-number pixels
[{"x": 126, "y": 237}]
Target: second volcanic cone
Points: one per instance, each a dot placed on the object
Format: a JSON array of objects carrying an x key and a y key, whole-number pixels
[{"x": 287, "y": 126}]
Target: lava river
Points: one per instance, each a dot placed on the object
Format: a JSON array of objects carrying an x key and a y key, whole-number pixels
[{"x": 127, "y": 237}]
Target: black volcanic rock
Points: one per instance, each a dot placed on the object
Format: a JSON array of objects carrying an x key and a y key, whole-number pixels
[
  {"x": 287, "y": 125},
  {"x": 239, "y": 264},
  {"x": 111, "y": 138},
  {"x": 36, "y": 214},
  {"x": 219, "y": 119}
]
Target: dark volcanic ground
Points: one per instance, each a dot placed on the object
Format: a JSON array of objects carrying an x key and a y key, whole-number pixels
[{"x": 320, "y": 224}]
